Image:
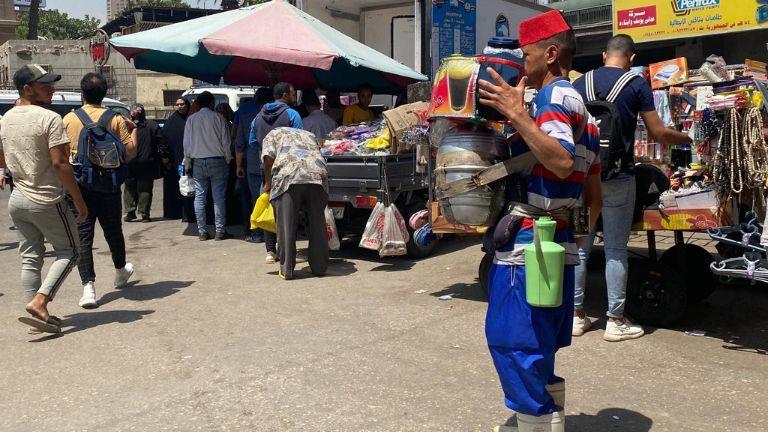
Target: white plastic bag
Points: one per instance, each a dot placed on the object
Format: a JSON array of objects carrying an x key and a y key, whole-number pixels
[
  {"x": 394, "y": 234},
  {"x": 332, "y": 234},
  {"x": 187, "y": 186},
  {"x": 373, "y": 229}
]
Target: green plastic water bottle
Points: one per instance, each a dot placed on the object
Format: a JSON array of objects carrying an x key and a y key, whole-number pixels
[{"x": 544, "y": 266}]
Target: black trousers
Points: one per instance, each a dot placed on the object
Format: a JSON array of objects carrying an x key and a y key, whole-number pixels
[{"x": 107, "y": 209}]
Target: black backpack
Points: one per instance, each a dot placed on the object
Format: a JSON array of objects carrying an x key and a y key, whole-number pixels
[
  {"x": 613, "y": 148},
  {"x": 99, "y": 164}
]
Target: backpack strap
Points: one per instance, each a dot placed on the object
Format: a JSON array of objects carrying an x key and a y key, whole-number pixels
[
  {"x": 589, "y": 84},
  {"x": 106, "y": 118},
  {"x": 83, "y": 116},
  {"x": 622, "y": 82}
]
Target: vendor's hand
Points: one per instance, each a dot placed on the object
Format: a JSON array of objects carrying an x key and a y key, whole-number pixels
[
  {"x": 267, "y": 186},
  {"x": 240, "y": 172},
  {"x": 167, "y": 164},
  {"x": 507, "y": 100},
  {"x": 2, "y": 182}
]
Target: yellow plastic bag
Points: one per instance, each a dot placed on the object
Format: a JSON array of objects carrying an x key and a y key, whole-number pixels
[
  {"x": 263, "y": 215},
  {"x": 380, "y": 142}
]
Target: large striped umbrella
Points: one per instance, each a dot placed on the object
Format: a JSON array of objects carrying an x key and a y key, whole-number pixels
[{"x": 263, "y": 45}]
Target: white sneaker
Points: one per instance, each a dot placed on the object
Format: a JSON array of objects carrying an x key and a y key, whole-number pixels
[
  {"x": 123, "y": 275},
  {"x": 271, "y": 258},
  {"x": 88, "y": 300},
  {"x": 580, "y": 325},
  {"x": 617, "y": 332}
]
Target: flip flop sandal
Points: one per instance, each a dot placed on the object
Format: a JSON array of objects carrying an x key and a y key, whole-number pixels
[
  {"x": 47, "y": 327},
  {"x": 55, "y": 320}
]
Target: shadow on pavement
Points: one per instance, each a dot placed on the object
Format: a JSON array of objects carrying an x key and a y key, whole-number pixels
[
  {"x": 86, "y": 320},
  {"x": 137, "y": 292},
  {"x": 464, "y": 291},
  {"x": 8, "y": 246},
  {"x": 735, "y": 314},
  {"x": 336, "y": 267},
  {"x": 609, "y": 419}
]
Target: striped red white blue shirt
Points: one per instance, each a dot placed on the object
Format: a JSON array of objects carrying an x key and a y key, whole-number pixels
[{"x": 560, "y": 112}]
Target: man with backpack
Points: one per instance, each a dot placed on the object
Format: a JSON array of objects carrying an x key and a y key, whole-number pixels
[
  {"x": 34, "y": 146},
  {"x": 101, "y": 144},
  {"x": 615, "y": 97},
  {"x": 274, "y": 115}
]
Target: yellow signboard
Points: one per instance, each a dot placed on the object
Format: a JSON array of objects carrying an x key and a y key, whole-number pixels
[{"x": 650, "y": 20}]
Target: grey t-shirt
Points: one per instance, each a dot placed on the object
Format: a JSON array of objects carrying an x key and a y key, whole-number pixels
[{"x": 27, "y": 133}]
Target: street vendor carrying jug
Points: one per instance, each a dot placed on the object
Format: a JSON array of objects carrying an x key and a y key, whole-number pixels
[{"x": 564, "y": 172}]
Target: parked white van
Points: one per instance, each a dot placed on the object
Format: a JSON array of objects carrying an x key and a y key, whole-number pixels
[
  {"x": 232, "y": 95},
  {"x": 62, "y": 103}
]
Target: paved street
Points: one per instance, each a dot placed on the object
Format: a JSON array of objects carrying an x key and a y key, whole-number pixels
[{"x": 207, "y": 337}]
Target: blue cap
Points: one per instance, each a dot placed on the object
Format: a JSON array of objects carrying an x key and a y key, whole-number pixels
[{"x": 503, "y": 42}]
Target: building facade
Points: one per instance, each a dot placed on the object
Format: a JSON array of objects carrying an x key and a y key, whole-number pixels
[
  {"x": 8, "y": 21},
  {"x": 71, "y": 59}
]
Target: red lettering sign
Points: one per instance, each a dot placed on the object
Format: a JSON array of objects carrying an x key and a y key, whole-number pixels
[{"x": 637, "y": 17}]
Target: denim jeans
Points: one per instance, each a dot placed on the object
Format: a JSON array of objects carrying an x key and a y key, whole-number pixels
[
  {"x": 618, "y": 209},
  {"x": 210, "y": 174}
]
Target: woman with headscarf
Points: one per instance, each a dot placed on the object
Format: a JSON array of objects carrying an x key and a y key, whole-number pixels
[
  {"x": 151, "y": 155},
  {"x": 174, "y": 205}
]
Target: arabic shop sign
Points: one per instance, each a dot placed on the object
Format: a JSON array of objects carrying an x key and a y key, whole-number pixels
[{"x": 650, "y": 20}]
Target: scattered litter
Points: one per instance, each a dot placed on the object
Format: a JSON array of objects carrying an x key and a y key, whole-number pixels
[
  {"x": 696, "y": 333},
  {"x": 457, "y": 347},
  {"x": 447, "y": 268},
  {"x": 446, "y": 297},
  {"x": 187, "y": 357},
  {"x": 616, "y": 418},
  {"x": 421, "y": 291}
]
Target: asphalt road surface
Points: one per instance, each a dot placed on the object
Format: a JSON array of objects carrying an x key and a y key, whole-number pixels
[{"x": 207, "y": 337}]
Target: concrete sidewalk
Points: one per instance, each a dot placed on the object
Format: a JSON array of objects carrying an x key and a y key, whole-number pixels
[{"x": 207, "y": 337}]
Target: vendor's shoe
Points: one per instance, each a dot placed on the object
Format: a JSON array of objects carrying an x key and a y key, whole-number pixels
[
  {"x": 625, "y": 330},
  {"x": 130, "y": 217},
  {"x": 527, "y": 423},
  {"x": 580, "y": 325},
  {"x": 88, "y": 300},
  {"x": 123, "y": 275},
  {"x": 271, "y": 258},
  {"x": 557, "y": 391}
]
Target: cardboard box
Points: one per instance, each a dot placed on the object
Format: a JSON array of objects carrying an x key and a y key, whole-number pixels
[
  {"x": 668, "y": 73},
  {"x": 401, "y": 119}
]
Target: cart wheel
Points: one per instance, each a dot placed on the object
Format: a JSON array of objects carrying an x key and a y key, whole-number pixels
[
  {"x": 692, "y": 263},
  {"x": 414, "y": 250},
  {"x": 482, "y": 272},
  {"x": 655, "y": 293}
]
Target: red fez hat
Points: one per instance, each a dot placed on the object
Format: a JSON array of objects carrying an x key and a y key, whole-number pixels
[{"x": 542, "y": 27}]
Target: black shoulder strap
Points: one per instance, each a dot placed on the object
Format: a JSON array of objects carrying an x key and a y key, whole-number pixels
[
  {"x": 589, "y": 85},
  {"x": 620, "y": 85}
]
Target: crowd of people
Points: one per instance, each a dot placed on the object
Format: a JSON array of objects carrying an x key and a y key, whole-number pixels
[
  {"x": 95, "y": 165},
  {"x": 266, "y": 147}
]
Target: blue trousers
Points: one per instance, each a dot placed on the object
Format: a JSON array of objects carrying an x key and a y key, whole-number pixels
[
  {"x": 524, "y": 339},
  {"x": 211, "y": 174}
]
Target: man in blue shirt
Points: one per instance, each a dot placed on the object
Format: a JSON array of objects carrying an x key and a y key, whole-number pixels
[
  {"x": 619, "y": 193},
  {"x": 272, "y": 116},
  {"x": 248, "y": 163}
]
